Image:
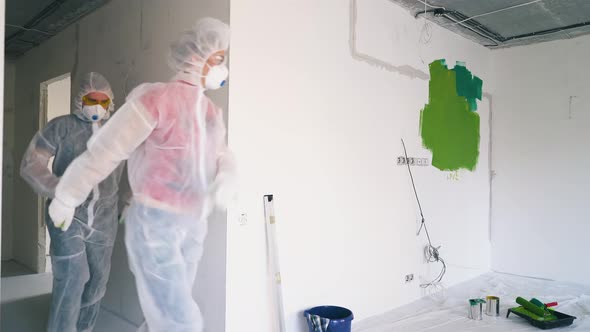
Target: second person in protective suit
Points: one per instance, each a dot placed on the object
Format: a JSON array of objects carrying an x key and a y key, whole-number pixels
[{"x": 81, "y": 249}]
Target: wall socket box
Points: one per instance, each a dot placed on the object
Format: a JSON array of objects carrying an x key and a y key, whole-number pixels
[
  {"x": 243, "y": 219},
  {"x": 412, "y": 161},
  {"x": 409, "y": 278}
]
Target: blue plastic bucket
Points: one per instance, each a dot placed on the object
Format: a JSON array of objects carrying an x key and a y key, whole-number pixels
[{"x": 340, "y": 318}]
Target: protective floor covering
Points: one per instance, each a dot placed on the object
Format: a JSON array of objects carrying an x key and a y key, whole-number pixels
[{"x": 447, "y": 310}]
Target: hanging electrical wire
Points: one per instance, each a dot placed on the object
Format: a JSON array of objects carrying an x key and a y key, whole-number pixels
[
  {"x": 426, "y": 31},
  {"x": 431, "y": 252},
  {"x": 484, "y": 35},
  {"x": 499, "y": 10},
  {"x": 429, "y": 5},
  {"x": 469, "y": 22}
]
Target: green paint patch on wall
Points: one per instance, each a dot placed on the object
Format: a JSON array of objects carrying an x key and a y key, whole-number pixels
[
  {"x": 449, "y": 123},
  {"x": 468, "y": 86}
]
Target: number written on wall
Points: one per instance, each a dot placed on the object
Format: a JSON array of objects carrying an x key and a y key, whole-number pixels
[{"x": 453, "y": 176}]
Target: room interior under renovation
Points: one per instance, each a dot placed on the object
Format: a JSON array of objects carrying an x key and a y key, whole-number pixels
[{"x": 295, "y": 166}]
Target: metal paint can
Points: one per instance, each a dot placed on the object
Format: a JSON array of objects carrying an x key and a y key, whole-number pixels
[
  {"x": 475, "y": 309},
  {"x": 492, "y": 306}
]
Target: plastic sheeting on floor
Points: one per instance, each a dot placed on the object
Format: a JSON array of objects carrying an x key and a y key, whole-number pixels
[{"x": 446, "y": 311}]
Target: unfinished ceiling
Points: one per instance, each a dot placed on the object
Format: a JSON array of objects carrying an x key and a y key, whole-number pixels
[
  {"x": 505, "y": 23},
  {"x": 31, "y": 22}
]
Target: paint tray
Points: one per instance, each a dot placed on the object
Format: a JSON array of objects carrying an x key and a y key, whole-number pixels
[{"x": 561, "y": 321}]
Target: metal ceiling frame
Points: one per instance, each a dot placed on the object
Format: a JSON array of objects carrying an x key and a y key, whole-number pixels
[
  {"x": 487, "y": 33},
  {"x": 55, "y": 17},
  {"x": 50, "y": 9}
]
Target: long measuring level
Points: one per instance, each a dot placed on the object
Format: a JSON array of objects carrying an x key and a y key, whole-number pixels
[{"x": 273, "y": 252}]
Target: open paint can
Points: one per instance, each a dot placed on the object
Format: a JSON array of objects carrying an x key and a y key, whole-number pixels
[
  {"x": 492, "y": 306},
  {"x": 475, "y": 309}
]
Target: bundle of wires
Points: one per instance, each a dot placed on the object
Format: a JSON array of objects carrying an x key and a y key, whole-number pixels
[{"x": 430, "y": 252}]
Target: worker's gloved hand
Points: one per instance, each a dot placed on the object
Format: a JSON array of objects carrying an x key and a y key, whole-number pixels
[
  {"x": 61, "y": 214},
  {"x": 224, "y": 189}
]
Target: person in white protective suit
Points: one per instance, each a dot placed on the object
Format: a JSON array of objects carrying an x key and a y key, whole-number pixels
[
  {"x": 81, "y": 249},
  {"x": 179, "y": 167}
]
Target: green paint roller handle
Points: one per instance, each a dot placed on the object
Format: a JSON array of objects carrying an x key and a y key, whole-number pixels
[
  {"x": 538, "y": 303},
  {"x": 543, "y": 305},
  {"x": 531, "y": 307}
]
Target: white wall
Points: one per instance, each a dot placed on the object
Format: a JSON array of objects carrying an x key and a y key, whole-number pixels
[
  {"x": 9, "y": 165},
  {"x": 127, "y": 41},
  {"x": 321, "y": 130},
  {"x": 540, "y": 191},
  {"x": 58, "y": 98}
]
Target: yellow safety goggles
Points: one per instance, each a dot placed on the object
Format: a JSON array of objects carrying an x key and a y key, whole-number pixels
[{"x": 87, "y": 101}]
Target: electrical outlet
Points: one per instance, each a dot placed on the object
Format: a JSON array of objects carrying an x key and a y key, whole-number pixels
[
  {"x": 402, "y": 160},
  {"x": 409, "y": 278},
  {"x": 423, "y": 162},
  {"x": 243, "y": 220}
]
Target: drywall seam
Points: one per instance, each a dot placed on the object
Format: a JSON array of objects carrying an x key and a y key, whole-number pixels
[{"x": 404, "y": 70}]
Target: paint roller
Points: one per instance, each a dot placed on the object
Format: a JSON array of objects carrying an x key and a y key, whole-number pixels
[{"x": 535, "y": 309}]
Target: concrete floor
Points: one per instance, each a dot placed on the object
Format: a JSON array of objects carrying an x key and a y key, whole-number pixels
[
  {"x": 26, "y": 300},
  {"x": 12, "y": 268}
]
